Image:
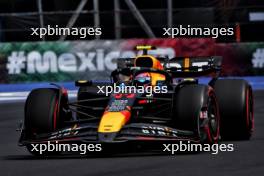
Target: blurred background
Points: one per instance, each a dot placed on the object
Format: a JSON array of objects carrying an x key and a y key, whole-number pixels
[
  {"x": 28, "y": 62},
  {"x": 123, "y": 19},
  {"x": 125, "y": 23}
]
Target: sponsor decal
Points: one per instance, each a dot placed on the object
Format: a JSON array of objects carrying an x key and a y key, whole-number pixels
[
  {"x": 73, "y": 60},
  {"x": 65, "y": 132},
  {"x": 258, "y": 58},
  {"x": 160, "y": 131},
  {"x": 50, "y": 62}
]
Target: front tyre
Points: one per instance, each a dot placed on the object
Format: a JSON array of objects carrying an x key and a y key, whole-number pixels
[
  {"x": 196, "y": 110},
  {"x": 43, "y": 113},
  {"x": 235, "y": 98}
]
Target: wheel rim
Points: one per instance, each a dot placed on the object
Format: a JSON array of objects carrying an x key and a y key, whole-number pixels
[{"x": 211, "y": 128}]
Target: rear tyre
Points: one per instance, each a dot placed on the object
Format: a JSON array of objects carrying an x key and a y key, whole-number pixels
[
  {"x": 235, "y": 99},
  {"x": 196, "y": 110},
  {"x": 42, "y": 113}
]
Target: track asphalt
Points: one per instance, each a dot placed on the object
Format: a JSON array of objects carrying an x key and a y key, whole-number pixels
[{"x": 247, "y": 159}]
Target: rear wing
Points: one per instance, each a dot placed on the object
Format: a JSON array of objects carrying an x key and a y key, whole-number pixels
[
  {"x": 183, "y": 66},
  {"x": 193, "y": 66}
]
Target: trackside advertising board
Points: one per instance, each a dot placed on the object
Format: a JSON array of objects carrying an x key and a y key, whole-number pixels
[{"x": 71, "y": 60}]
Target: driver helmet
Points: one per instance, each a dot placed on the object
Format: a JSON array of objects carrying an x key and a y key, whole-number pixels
[{"x": 143, "y": 79}]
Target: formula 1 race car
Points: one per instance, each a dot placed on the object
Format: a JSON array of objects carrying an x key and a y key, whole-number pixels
[{"x": 172, "y": 105}]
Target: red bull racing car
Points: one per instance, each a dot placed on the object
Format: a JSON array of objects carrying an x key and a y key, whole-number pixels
[{"x": 165, "y": 102}]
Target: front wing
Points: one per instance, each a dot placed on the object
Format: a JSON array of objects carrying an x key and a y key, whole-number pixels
[{"x": 87, "y": 133}]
